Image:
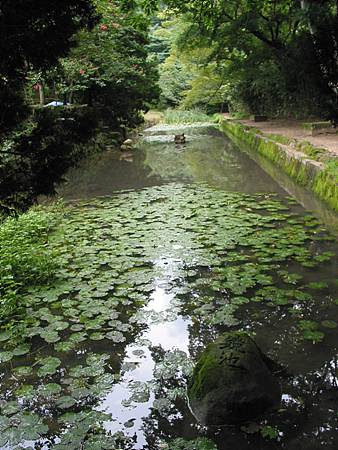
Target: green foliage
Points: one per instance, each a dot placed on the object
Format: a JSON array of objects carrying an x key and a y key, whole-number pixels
[
  {"x": 63, "y": 52},
  {"x": 34, "y": 36},
  {"x": 207, "y": 89},
  {"x": 196, "y": 444},
  {"x": 176, "y": 116},
  {"x": 110, "y": 70},
  {"x": 35, "y": 157},
  {"x": 272, "y": 58},
  {"x": 175, "y": 75},
  {"x": 174, "y": 80},
  {"x": 25, "y": 259}
]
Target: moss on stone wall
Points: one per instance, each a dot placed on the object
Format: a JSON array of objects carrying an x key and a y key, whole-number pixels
[
  {"x": 326, "y": 187},
  {"x": 319, "y": 177}
]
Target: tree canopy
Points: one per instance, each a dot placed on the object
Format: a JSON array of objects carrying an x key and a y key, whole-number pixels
[
  {"x": 34, "y": 34},
  {"x": 276, "y": 55},
  {"x": 109, "y": 67},
  {"x": 90, "y": 53}
]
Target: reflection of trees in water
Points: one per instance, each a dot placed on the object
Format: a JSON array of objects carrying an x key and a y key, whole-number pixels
[
  {"x": 208, "y": 159},
  {"x": 311, "y": 408},
  {"x": 104, "y": 173},
  {"x": 307, "y": 417},
  {"x": 201, "y": 335},
  {"x": 174, "y": 419}
]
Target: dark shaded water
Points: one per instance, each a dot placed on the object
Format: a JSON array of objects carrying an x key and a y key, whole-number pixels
[
  {"x": 211, "y": 158},
  {"x": 207, "y": 158},
  {"x": 185, "y": 243}
]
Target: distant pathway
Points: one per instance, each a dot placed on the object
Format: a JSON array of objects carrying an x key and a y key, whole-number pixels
[{"x": 293, "y": 129}]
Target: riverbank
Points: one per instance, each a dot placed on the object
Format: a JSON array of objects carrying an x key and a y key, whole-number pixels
[{"x": 312, "y": 167}]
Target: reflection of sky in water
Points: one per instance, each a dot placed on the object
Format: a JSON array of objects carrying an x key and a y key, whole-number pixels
[
  {"x": 167, "y": 334},
  {"x": 170, "y": 335}
]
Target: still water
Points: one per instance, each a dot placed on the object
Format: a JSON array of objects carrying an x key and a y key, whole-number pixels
[{"x": 164, "y": 249}]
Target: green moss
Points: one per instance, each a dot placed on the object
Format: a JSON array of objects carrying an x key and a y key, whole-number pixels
[
  {"x": 207, "y": 364},
  {"x": 279, "y": 138},
  {"x": 310, "y": 150},
  {"x": 331, "y": 168},
  {"x": 316, "y": 125},
  {"x": 326, "y": 186},
  {"x": 206, "y": 371},
  {"x": 322, "y": 181}
]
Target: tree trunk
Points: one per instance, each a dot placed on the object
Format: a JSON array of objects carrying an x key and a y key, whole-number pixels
[
  {"x": 41, "y": 94},
  {"x": 305, "y": 5}
]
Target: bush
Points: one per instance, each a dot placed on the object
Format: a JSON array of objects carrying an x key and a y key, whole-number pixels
[
  {"x": 36, "y": 156},
  {"x": 25, "y": 258},
  {"x": 176, "y": 116}
]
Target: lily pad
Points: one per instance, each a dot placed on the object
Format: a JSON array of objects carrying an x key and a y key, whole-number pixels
[
  {"x": 317, "y": 285},
  {"x": 50, "y": 336},
  {"x": 23, "y": 371},
  {"x": 50, "y": 389},
  {"x": 314, "y": 336},
  {"x": 65, "y": 402},
  {"x": 22, "y": 349},
  {"x": 49, "y": 366},
  {"x": 5, "y": 336},
  {"x": 329, "y": 324}
]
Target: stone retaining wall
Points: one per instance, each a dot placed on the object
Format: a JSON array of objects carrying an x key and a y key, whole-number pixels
[{"x": 312, "y": 174}]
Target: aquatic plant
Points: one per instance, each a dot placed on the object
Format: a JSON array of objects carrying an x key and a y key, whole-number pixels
[{"x": 229, "y": 261}]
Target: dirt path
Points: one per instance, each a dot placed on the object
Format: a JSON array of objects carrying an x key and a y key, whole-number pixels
[{"x": 294, "y": 130}]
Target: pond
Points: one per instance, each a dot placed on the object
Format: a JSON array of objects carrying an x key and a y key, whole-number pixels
[{"x": 161, "y": 251}]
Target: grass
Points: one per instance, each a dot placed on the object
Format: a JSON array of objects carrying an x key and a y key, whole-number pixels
[
  {"x": 25, "y": 259},
  {"x": 332, "y": 168},
  {"x": 315, "y": 153},
  {"x": 280, "y": 139},
  {"x": 153, "y": 116},
  {"x": 177, "y": 116},
  {"x": 316, "y": 125}
]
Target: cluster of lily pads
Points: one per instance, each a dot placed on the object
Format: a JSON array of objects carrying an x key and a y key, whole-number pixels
[{"x": 223, "y": 256}]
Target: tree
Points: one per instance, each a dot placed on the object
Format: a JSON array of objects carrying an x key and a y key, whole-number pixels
[
  {"x": 295, "y": 39},
  {"x": 34, "y": 34},
  {"x": 109, "y": 68},
  {"x": 103, "y": 66}
]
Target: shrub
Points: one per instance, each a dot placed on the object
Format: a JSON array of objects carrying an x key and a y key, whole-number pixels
[
  {"x": 176, "y": 116},
  {"x": 25, "y": 258}
]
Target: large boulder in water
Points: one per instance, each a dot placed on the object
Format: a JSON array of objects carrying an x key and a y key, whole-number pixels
[{"x": 232, "y": 383}]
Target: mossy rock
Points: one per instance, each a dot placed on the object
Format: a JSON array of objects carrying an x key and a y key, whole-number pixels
[{"x": 232, "y": 383}]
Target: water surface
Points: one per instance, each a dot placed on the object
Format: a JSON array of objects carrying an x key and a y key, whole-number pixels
[{"x": 162, "y": 250}]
